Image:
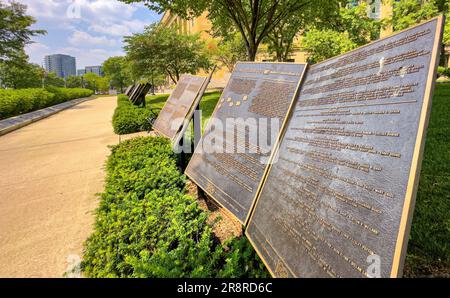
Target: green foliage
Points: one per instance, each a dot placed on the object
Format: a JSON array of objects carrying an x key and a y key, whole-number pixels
[
  {"x": 242, "y": 260},
  {"x": 359, "y": 26},
  {"x": 429, "y": 245},
  {"x": 95, "y": 82},
  {"x": 129, "y": 118},
  {"x": 409, "y": 12},
  {"x": 17, "y": 102},
  {"x": 74, "y": 82},
  {"x": 15, "y": 30},
  {"x": 146, "y": 226},
  {"x": 116, "y": 70},
  {"x": 20, "y": 75},
  {"x": 327, "y": 43},
  {"x": 443, "y": 71},
  {"x": 51, "y": 79},
  {"x": 446, "y": 37},
  {"x": 253, "y": 20},
  {"x": 162, "y": 50},
  {"x": 229, "y": 50},
  {"x": 349, "y": 29}
]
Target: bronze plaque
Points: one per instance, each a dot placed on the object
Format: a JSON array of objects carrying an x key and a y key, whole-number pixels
[
  {"x": 135, "y": 92},
  {"x": 138, "y": 95},
  {"x": 182, "y": 101},
  {"x": 129, "y": 89},
  {"x": 257, "y": 94},
  {"x": 338, "y": 198}
]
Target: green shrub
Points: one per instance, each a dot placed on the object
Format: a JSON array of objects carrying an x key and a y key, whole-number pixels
[
  {"x": 21, "y": 101},
  {"x": 146, "y": 226},
  {"x": 129, "y": 118}
]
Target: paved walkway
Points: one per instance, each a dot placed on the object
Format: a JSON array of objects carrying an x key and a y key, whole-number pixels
[
  {"x": 14, "y": 123},
  {"x": 50, "y": 172}
]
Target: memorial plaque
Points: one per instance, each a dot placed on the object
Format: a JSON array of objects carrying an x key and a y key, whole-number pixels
[
  {"x": 180, "y": 106},
  {"x": 137, "y": 97},
  {"x": 134, "y": 93},
  {"x": 257, "y": 93},
  {"x": 339, "y": 200},
  {"x": 129, "y": 89}
]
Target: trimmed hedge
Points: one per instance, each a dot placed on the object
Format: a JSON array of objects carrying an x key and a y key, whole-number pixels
[
  {"x": 146, "y": 225},
  {"x": 129, "y": 118},
  {"x": 21, "y": 101}
]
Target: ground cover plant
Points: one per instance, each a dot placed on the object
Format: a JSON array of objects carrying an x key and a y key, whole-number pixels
[
  {"x": 147, "y": 226},
  {"x": 129, "y": 119},
  {"x": 21, "y": 101}
]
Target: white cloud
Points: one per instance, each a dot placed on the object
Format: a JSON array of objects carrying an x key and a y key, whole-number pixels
[
  {"x": 84, "y": 39},
  {"x": 94, "y": 36},
  {"x": 123, "y": 28}
]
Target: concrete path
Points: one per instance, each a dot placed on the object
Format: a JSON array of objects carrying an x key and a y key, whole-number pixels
[
  {"x": 50, "y": 172},
  {"x": 14, "y": 123}
]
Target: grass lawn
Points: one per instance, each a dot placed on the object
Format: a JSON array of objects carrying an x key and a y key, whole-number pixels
[
  {"x": 207, "y": 104},
  {"x": 429, "y": 245}
]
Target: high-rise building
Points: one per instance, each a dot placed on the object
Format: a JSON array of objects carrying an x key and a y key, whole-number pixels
[
  {"x": 62, "y": 65},
  {"x": 94, "y": 69}
]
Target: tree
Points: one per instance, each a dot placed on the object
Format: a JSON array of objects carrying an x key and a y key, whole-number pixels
[
  {"x": 253, "y": 19},
  {"x": 74, "y": 82},
  {"x": 21, "y": 74},
  {"x": 348, "y": 30},
  {"x": 327, "y": 43},
  {"x": 228, "y": 51},
  {"x": 15, "y": 30},
  {"x": 95, "y": 82},
  {"x": 51, "y": 79},
  {"x": 117, "y": 72},
  {"x": 360, "y": 27},
  {"x": 407, "y": 13},
  {"x": 447, "y": 29},
  {"x": 162, "y": 50}
]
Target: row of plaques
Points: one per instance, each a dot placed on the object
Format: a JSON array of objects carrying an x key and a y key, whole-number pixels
[
  {"x": 136, "y": 93},
  {"x": 327, "y": 186}
]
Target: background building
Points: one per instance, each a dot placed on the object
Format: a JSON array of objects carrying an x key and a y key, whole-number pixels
[
  {"x": 81, "y": 72},
  {"x": 376, "y": 9},
  {"x": 62, "y": 65},
  {"x": 94, "y": 69}
]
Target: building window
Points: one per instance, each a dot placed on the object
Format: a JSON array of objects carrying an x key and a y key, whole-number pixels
[{"x": 374, "y": 7}]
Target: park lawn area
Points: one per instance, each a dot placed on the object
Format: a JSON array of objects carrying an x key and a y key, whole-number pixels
[
  {"x": 429, "y": 244},
  {"x": 207, "y": 104}
]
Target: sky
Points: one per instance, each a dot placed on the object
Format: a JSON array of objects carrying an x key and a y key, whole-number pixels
[{"x": 90, "y": 30}]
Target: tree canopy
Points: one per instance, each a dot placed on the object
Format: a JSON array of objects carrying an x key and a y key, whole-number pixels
[
  {"x": 162, "y": 50},
  {"x": 115, "y": 68},
  {"x": 350, "y": 29},
  {"x": 253, "y": 19},
  {"x": 15, "y": 30}
]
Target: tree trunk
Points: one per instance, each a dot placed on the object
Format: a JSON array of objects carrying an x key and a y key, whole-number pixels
[{"x": 251, "y": 50}]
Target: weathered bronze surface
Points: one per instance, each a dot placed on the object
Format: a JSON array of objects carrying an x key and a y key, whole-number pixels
[
  {"x": 129, "y": 89},
  {"x": 342, "y": 191},
  {"x": 171, "y": 119},
  {"x": 258, "y": 91},
  {"x": 137, "y": 95}
]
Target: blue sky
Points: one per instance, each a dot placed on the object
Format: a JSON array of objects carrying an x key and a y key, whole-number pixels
[{"x": 90, "y": 30}]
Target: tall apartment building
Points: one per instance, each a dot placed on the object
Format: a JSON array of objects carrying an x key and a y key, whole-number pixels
[{"x": 62, "y": 65}]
